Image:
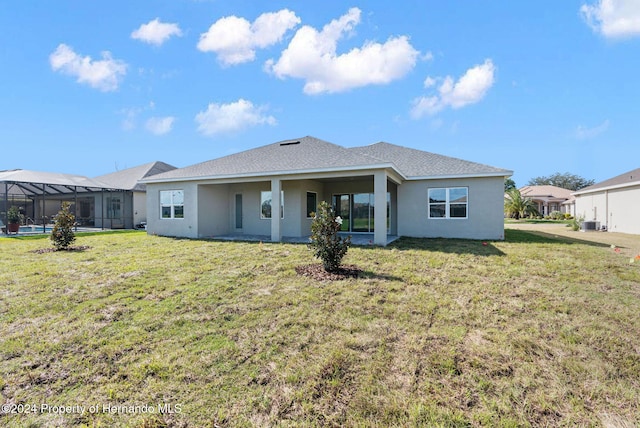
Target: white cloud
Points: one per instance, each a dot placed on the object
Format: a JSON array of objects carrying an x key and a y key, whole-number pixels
[
  {"x": 160, "y": 125},
  {"x": 429, "y": 82},
  {"x": 311, "y": 55},
  {"x": 102, "y": 74},
  {"x": 613, "y": 18},
  {"x": 235, "y": 39},
  {"x": 156, "y": 32},
  {"x": 584, "y": 133},
  {"x": 226, "y": 118},
  {"x": 469, "y": 89},
  {"x": 130, "y": 115}
]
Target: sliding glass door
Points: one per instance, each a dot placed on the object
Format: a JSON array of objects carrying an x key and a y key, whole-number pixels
[
  {"x": 342, "y": 207},
  {"x": 357, "y": 211}
]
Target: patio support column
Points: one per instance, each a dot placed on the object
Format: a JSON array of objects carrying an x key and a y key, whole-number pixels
[
  {"x": 276, "y": 187},
  {"x": 44, "y": 211},
  {"x": 75, "y": 208},
  {"x": 380, "y": 205},
  {"x": 6, "y": 207}
]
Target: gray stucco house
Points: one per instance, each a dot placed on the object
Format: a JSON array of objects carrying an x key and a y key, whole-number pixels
[
  {"x": 613, "y": 203},
  {"x": 408, "y": 192}
]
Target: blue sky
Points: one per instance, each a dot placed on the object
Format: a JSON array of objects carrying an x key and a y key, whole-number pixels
[{"x": 535, "y": 87}]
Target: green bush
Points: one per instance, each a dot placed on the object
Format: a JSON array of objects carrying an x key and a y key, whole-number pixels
[
  {"x": 62, "y": 234},
  {"x": 327, "y": 245},
  {"x": 556, "y": 215},
  {"x": 13, "y": 215},
  {"x": 575, "y": 223}
]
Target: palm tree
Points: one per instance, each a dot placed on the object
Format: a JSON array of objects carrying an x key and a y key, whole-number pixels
[{"x": 518, "y": 206}]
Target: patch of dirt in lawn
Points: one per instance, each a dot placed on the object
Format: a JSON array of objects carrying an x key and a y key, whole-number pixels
[
  {"x": 52, "y": 250},
  {"x": 317, "y": 272}
]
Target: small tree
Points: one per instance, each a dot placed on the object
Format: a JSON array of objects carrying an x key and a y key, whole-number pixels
[
  {"x": 509, "y": 184},
  {"x": 327, "y": 245},
  {"x": 62, "y": 234},
  {"x": 518, "y": 206}
]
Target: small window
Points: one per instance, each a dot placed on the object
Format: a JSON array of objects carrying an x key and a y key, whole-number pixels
[
  {"x": 172, "y": 203},
  {"x": 265, "y": 204},
  {"x": 312, "y": 203},
  {"x": 448, "y": 202}
]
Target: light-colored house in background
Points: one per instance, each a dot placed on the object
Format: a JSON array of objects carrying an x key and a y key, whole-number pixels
[
  {"x": 408, "y": 192},
  {"x": 132, "y": 205},
  {"x": 550, "y": 198},
  {"x": 614, "y": 203},
  {"x": 111, "y": 201}
]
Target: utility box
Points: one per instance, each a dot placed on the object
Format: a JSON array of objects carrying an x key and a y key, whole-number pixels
[{"x": 590, "y": 226}]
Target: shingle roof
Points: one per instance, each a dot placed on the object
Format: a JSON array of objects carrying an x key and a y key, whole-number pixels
[
  {"x": 310, "y": 153},
  {"x": 418, "y": 163},
  {"x": 284, "y": 156},
  {"x": 627, "y": 179},
  {"x": 546, "y": 191},
  {"x": 128, "y": 178}
]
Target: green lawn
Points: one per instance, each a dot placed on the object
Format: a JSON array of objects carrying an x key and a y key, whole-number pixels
[{"x": 526, "y": 332}]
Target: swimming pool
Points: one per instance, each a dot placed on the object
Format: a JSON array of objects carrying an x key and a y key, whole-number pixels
[{"x": 34, "y": 229}]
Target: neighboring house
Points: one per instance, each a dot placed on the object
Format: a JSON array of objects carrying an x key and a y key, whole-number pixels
[
  {"x": 38, "y": 195},
  {"x": 133, "y": 204},
  {"x": 614, "y": 203},
  {"x": 550, "y": 198},
  {"x": 110, "y": 201},
  {"x": 272, "y": 190}
]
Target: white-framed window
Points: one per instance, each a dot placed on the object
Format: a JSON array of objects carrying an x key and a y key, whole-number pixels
[
  {"x": 265, "y": 204},
  {"x": 312, "y": 203},
  {"x": 449, "y": 202},
  {"x": 172, "y": 204}
]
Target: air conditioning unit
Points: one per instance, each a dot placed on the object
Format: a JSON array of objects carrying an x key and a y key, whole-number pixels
[{"x": 590, "y": 226}]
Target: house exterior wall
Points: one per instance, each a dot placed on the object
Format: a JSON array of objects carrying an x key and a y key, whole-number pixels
[
  {"x": 184, "y": 227},
  {"x": 618, "y": 209},
  {"x": 139, "y": 207},
  {"x": 485, "y": 211},
  {"x": 213, "y": 210},
  {"x": 209, "y": 208}
]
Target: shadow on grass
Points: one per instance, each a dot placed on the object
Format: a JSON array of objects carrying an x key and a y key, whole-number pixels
[
  {"x": 536, "y": 237},
  {"x": 446, "y": 245},
  {"x": 36, "y": 236}
]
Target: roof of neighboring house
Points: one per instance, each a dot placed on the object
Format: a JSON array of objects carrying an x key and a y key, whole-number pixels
[
  {"x": 631, "y": 178},
  {"x": 312, "y": 154},
  {"x": 545, "y": 191},
  {"x": 128, "y": 178},
  {"x": 50, "y": 178}
]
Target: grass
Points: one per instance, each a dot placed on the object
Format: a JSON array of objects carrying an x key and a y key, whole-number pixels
[
  {"x": 531, "y": 331},
  {"x": 536, "y": 221}
]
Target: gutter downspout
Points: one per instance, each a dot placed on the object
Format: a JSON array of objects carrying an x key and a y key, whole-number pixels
[{"x": 606, "y": 208}]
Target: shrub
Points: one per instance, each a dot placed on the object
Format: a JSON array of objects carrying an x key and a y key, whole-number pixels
[
  {"x": 568, "y": 216},
  {"x": 13, "y": 215},
  {"x": 62, "y": 234},
  {"x": 556, "y": 215},
  {"x": 327, "y": 245},
  {"x": 575, "y": 223}
]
